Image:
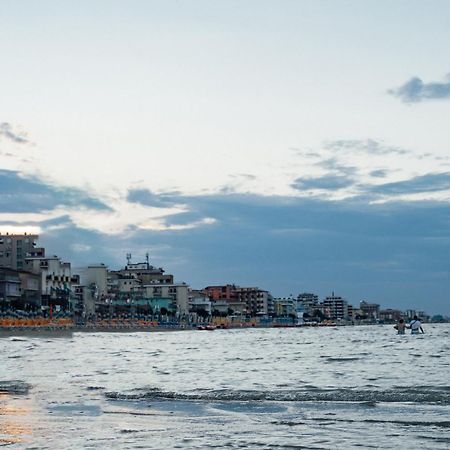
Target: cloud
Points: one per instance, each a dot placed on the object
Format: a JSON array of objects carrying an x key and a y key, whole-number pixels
[
  {"x": 369, "y": 146},
  {"x": 432, "y": 182},
  {"x": 415, "y": 90},
  {"x": 334, "y": 165},
  {"x": 379, "y": 173},
  {"x": 30, "y": 201},
  {"x": 148, "y": 198},
  {"x": 6, "y": 131},
  {"x": 326, "y": 182},
  {"x": 80, "y": 248},
  {"x": 30, "y": 194}
]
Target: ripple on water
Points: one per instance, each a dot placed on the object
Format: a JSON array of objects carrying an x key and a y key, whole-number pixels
[{"x": 14, "y": 387}]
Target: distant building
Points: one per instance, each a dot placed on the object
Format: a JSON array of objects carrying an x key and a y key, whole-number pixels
[
  {"x": 90, "y": 287},
  {"x": 225, "y": 292},
  {"x": 371, "y": 310},
  {"x": 390, "y": 315},
  {"x": 9, "y": 287},
  {"x": 285, "y": 307},
  {"x": 309, "y": 302},
  {"x": 200, "y": 304},
  {"x": 350, "y": 311},
  {"x": 258, "y": 302},
  {"x": 19, "y": 289},
  {"x": 15, "y": 248},
  {"x": 337, "y": 307},
  {"x": 145, "y": 272},
  {"x": 177, "y": 292},
  {"x": 56, "y": 280}
]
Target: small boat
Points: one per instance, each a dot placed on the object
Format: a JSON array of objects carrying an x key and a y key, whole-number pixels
[{"x": 206, "y": 327}]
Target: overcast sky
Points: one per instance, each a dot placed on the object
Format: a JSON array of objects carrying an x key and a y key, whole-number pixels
[{"x": 294, "y": 145}]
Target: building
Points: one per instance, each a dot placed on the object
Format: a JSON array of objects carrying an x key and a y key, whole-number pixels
[
  {"x": 145, "y": 272},
  {"x": 390, "y": 315},
  {"x": 15, "y": 248},
  {"x": 20, "y": 289},
  {"x": 258, "y": 302},
  {"x": 370, "y": 310},
  {"x": 90, "y": 286},
  {"x": 177, "y": 292},
  {"x": 309, "y": 302},
  {"x": 200, "y": 304},
  {"x": 225, "y": 298},
  {"x": 9, "y": 287},
  {"x": 55, "y": 280},
  {"x": 225, "y": 292},
  {"x": 337, "y": 307},
  {"x": 285, "y": 307}
]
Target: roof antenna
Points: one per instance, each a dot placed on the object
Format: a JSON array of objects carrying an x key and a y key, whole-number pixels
[
  {"x": 146, "y": 258},
  {"x": 128, "y": 258}
]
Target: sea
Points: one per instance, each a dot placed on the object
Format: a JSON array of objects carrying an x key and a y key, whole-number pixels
[{"x": 278, "y": 388}]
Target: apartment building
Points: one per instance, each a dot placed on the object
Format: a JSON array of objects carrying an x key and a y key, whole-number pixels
[{"x": 15, "y": 248}]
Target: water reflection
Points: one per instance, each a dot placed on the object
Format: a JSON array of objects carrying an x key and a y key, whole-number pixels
[{"x": 15, "y": 426}]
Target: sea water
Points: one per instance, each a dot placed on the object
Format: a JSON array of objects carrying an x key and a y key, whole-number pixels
[{"x": 318, "y": 388}]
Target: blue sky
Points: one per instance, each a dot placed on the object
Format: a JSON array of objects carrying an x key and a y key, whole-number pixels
[{"x": 293, "y": 145}]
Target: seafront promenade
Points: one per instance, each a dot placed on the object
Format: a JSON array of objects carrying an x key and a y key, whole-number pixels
[{"x": 10, "y": 327}]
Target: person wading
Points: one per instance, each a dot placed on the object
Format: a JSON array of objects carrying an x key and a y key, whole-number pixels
[{"x": 416, "y": 326}]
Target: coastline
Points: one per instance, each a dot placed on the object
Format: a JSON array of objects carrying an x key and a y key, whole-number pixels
[{"x": 42, "y": 332}]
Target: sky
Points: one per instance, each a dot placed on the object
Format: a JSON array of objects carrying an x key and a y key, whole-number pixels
[{"x": 291, "y": 145}]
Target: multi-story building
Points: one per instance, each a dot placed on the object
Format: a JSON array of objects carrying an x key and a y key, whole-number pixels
[
  {"x": 337, "y": 307},
  {"x": 309, "y": 302},
  {"x": 200, "y": 304},
  {"x": 9, "y": 287},
  {"x": 145, "y": 272},
  {"x": 20, "y": 289},
  {"x": 350, "y": 312},
  {"x": 285, "y": 307},
  {"x": 258, "y": 302},
  {"x": 56, "y": 280},
  {"x": 177, "y": 292},
  {"x": 390, "y": 315},
  {"x": 371, "y": 310},
  {"x": 225, "y": 292},
  {"x": 219, "y": 295},
  {"x": 90, "y": 286},
  {"x": 15, "y": 248}
]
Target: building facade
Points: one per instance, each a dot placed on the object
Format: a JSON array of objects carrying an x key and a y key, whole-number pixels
[
  {"x": 337, "y": 307},
  {"x": 15, "y": 248},
  {"x": 55, "y": 280}
]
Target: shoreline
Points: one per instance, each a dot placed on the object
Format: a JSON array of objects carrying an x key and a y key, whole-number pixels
[{"x": 24, "y": 331}]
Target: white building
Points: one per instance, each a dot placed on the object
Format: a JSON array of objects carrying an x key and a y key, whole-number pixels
[
  {"x": 56, "y": 279},
  {"x": 200, "y": 303},
  {"x": 93, "y": 286}
]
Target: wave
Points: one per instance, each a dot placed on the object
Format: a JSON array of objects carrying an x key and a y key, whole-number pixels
[
  {"x": 430, "y": 394},
  {"x": 14, "y": 387},
  {"x": 405, "y": 423}
]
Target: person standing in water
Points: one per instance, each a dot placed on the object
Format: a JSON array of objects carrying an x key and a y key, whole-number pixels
[
  {"x": 416, "y": 326},
  {"x": 400, "y": 327}
]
